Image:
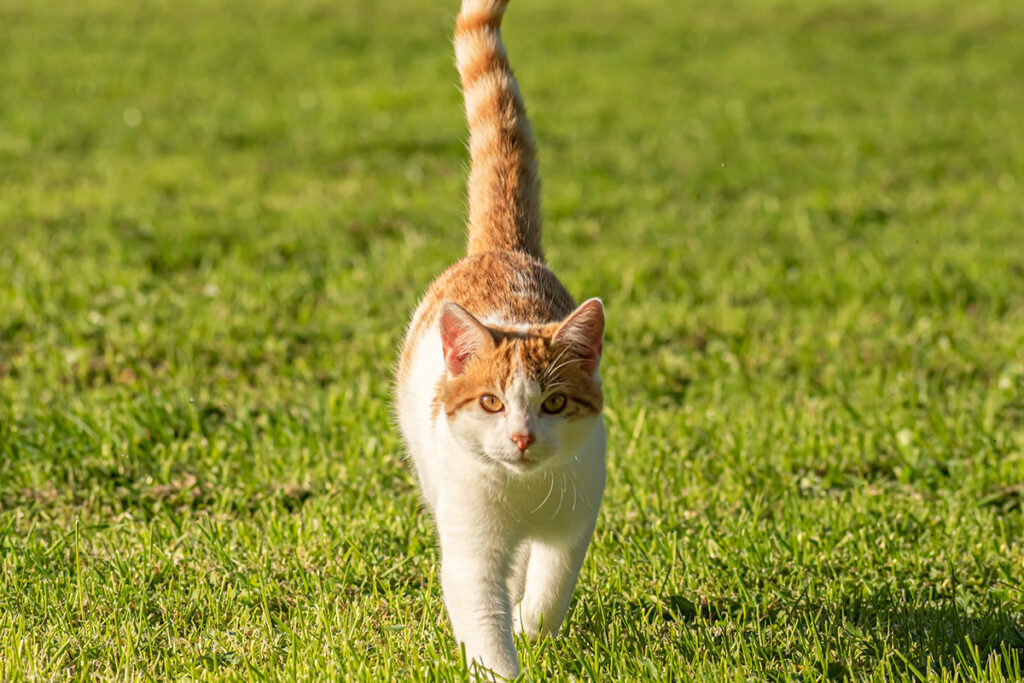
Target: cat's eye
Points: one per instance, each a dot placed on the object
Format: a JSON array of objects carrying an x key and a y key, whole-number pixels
[
  {"x": 553, "y": 404},
  {"x": 491, "y": 403}
]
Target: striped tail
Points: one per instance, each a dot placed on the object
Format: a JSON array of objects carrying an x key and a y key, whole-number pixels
[{"x": 504, "y": 185}]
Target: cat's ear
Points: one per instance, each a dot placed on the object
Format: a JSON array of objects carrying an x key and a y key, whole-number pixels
[
  {"x": 583, "y": 331},
  {"x": 462, "y": 337}
]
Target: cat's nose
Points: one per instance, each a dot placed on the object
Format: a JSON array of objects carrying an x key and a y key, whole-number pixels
[{"x": 523, "y": 440}]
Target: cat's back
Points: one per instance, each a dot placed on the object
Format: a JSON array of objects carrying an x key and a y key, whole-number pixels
[{"x": 504, "y": 288}]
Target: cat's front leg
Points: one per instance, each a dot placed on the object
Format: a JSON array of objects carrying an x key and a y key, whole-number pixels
[
  {"x": 474, "y": 576},
  {"x": 550, "y": 580}
]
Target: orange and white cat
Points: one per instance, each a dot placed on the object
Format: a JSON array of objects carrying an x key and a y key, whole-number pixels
[{"x": 498, "y": 394}]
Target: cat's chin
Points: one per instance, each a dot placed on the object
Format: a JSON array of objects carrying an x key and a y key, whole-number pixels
[{"x": 519, "y": 465}]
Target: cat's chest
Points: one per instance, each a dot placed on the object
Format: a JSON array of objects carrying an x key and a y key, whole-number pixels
[
  {"x": 559, "y": 501},
  {"x": 555, "y": 503}
]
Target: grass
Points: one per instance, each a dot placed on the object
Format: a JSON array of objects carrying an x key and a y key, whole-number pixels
[{"x": 805, "y": 220}]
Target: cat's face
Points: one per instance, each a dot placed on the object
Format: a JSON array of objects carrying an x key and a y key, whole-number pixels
[{"x": 522, "y": 398}]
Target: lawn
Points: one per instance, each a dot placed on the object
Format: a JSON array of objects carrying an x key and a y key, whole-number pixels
[{"x": 806, "y": 222}]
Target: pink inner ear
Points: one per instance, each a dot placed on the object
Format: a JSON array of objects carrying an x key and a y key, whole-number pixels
[
  {"x": 583, "y": 330},
  {"x": 456, "y": 353},
  {"x": 462, "y": 337}
]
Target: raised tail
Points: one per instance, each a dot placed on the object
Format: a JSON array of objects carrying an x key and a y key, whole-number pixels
[{"x": 504, "y": 185}]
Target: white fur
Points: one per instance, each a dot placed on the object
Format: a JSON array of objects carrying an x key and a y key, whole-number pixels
[{"x": 513, "y": 534}]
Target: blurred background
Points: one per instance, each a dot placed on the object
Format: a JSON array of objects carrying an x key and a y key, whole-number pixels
[{"x": 805, "y": 219}]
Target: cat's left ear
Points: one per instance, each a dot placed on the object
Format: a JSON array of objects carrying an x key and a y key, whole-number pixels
[
  {"x": 462, "y": 336},
  {"x": 583, "y": 330}
]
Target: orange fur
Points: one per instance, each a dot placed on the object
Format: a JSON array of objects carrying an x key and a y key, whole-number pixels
[{"x": 539, "y": 357}]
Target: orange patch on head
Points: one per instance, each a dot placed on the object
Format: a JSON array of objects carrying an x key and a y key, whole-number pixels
[{"x": 557, "y": 368}]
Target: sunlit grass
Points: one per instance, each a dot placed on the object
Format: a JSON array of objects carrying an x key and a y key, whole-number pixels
[{"x": 805, "y": 222}]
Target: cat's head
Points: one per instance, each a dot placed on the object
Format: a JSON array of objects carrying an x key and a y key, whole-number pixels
[{"x": 522, "y": 397}]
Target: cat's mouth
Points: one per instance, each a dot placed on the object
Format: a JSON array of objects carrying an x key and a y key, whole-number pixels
[{"x": 520, "y": 463}]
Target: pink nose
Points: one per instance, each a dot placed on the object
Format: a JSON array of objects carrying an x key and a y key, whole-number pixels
[{"x": 523, "y": 440}]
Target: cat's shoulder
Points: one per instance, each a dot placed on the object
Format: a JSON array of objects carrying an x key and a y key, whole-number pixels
[{"x": 496, "y": 285}]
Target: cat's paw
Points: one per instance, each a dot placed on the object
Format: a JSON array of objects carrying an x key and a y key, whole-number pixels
[
  {"x": 481, "y": 674},
  {"x": 531, "y": 629}
]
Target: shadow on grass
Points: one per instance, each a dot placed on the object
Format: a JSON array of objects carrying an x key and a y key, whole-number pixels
[{"x": 910, "y": 635}]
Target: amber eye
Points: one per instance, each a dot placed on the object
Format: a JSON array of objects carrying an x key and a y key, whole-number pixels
[
  {"x": 491, "y": 404},
  {"x": 553, "y": 404}
]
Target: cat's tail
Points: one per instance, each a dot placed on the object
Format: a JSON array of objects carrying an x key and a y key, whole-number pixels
[{"x": 504, "y": 185}]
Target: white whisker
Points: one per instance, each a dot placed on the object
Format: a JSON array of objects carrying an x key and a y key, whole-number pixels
[
  {"x": 566, "y": 363},
  {"x": 548, "y": 371},
  {"x": 561, "y": 498},
  {"x": 550, "y": 489}
]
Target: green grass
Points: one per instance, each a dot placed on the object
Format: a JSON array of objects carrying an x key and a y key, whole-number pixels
[{"x": 805, "y": 219}]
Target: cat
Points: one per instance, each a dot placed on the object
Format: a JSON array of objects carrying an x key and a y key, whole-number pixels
[{"x": 498, "y": 392}]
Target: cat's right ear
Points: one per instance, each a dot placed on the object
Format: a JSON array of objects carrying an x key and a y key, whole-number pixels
[{"x": 462, "y": 337}]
